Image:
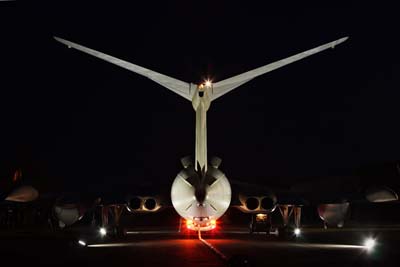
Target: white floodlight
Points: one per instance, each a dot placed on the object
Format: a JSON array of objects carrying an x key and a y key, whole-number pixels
[
  {"x": 103, "y": 231},
  {"x": 369, "y": 244},
  {"x": 297, "y": 231}
]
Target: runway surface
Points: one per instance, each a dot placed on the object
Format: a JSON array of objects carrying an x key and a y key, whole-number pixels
[{"x": 316, "y": 248}]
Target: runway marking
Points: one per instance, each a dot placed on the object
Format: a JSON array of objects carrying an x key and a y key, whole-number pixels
[
  {"x": 213, "y": 249},
  {"x": 111, "y": 245},
  {"x": 285, "y": 244},
  {"x": 150, "y": 232},
  {"x": 328, "y": 246}
]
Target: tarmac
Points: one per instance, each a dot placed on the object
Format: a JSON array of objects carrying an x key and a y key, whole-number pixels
[{"x": 314, "y": 247}]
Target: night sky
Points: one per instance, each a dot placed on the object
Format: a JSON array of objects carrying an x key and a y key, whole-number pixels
[{"x": 69, "y": 118}]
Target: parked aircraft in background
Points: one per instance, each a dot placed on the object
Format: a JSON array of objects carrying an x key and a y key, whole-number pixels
[{"x": 13, "y": 189}]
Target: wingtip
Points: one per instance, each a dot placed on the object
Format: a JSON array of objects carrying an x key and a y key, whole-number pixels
[
  {"x": 344, "y": 38},
  {"x": 58, "y": 39},
  {"x": 63, "y": 41},
  {"x": 339, "y": 41}
]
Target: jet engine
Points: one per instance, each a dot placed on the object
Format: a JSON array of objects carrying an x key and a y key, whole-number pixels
[
  {"x": 133, "y": 203},
  {"x": 201, "y": 196},
  {"x": 334, "y": 215},
  {"x": 380, "y": 194},
  {"x": 69, "y": 209},
  {"x": 68, "y": 213},
  {"x": 143, "y": 204},
  {"x": 258, "y": 204},
  {"x": 23, "y": 193}
]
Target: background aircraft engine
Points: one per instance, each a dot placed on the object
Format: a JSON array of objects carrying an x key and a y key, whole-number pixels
[
  {"x": 252, "y": 203},
  {"x": 333, "y": 214},
  {"x": 68, "y": 214},
  {"x": 150, "y": 204},
  {"x": 380, "y": 194},
  {"x": 134, "y": 203},
  {"x": 258, "y": 204},
  {"x": 23, "y": 194},
  {"x": 196, "y": 195},
  {"x": 143, "y": 203},
  {"x": 269, "y": 203}
]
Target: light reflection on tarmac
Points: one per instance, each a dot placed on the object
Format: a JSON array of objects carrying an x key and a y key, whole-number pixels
[{"x": 315, "y": 248}]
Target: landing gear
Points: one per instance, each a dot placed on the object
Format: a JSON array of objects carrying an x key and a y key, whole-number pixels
[
  {"x": 297, "y": 216},
  {"x": 287, "y": 211},
  {"x": 260, "y": 222},
  {"x": 287, "y": 230},
  {"x": 252, "y": 224},
  {"x": 114, "y": 229}
]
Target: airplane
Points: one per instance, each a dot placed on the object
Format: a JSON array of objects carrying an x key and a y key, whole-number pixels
[
  {"x": 201, "y": 193},
  {"x": 15, "y": 190},
  {"x": 15, "y": 193}
]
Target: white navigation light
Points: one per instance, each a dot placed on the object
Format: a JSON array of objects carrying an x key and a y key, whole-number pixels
[
  {"x": 207, "y": 83},
  {"x": 297, "y": 231},
  {"x": 82, "y": 243},
  {"x": 369, "y": 244},
  {"x": 103, "y": 231}
]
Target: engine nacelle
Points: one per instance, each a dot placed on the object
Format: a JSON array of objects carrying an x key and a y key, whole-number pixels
[
  {"x": 23, "y": 193},
  {"x": 334, "y": 215},
  {"x": 379, "y": 194},
  {"x": 258, "y": 204},
  {"x": 68, "y": 214},
  {"x": 199, "y": 197},
  {"x": 143, "y": 204},
  {"x": 69, "y": 209}
]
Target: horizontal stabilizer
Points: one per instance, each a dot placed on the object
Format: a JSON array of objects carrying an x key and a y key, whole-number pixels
[
  {"x": 225, "y": 86},
  {"x": 187, "y": 90},
  {"x": 179, "y": 87}
]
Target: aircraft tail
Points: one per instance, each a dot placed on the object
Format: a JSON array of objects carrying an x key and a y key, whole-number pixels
[{"x": 187, "y": 90}]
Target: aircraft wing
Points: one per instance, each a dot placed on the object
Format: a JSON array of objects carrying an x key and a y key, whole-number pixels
[
  {"x": 227, "y": 85},
  {"x": 179, "y": 87}
]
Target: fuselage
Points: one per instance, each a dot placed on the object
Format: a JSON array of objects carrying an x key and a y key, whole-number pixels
[{"x": 201, "y": 194}]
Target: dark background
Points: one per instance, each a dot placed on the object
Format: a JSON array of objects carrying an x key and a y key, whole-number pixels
[{"x": 76, "y": 122}]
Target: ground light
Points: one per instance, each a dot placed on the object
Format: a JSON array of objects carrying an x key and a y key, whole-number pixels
[
  {"x": 297, "y": 231},
  {"x": 369, "y": 244},
  {"x": 213, "y": 224},
  {"x": 189, "y": 224},
  {"x": 82, "y": 243},
  {"x": 103, "y": 231}
]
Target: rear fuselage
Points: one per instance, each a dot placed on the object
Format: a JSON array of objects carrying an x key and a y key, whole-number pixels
[{"x": 201, "y": 194}]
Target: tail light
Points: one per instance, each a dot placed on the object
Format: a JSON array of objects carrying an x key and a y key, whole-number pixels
[{"x": 189, "y": 224}]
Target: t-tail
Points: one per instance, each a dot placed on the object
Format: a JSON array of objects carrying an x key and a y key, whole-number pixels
[{"x": 203, "y": 94}]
